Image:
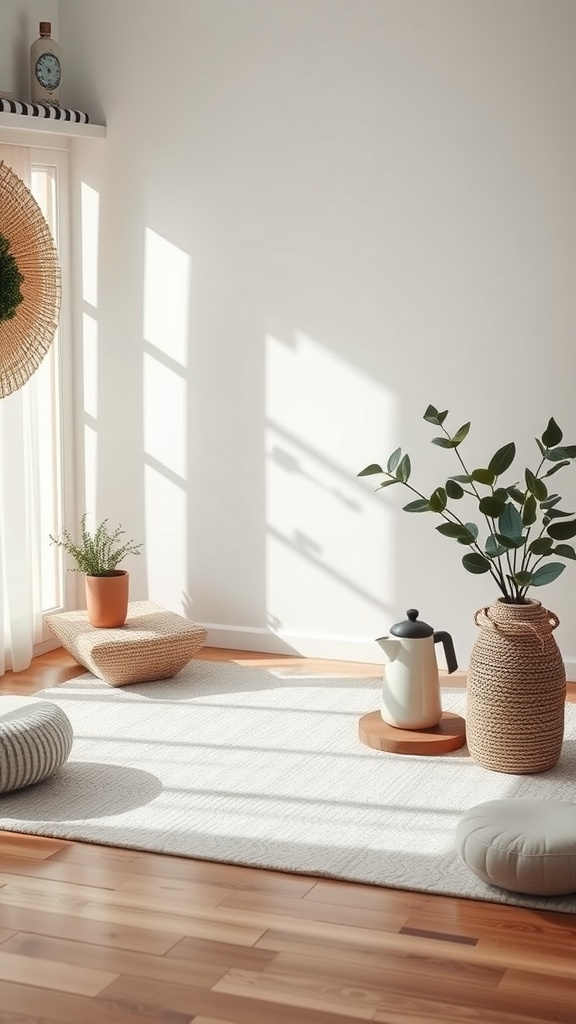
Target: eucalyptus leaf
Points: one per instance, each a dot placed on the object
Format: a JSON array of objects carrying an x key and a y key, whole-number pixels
[
  {"x": 476, "y": 563},
  {"x": 454, "y": 490},
  {"x": 510, "y": 542},
  {"x": 492, "y": 548},
  {"x": 529, "y": 512},
  {"x": 451, "y": 529},
  {"x": 550, "y": 501},
  {"x": 404, "y": 469},
  {"x": 483, "y": 476},
  {"x": 472, "y": 532},
  {"x": 502, "y": 459},
  {"x": 420, "y": 505},
  {"x": 552, "y": 435},
  {"x": 431, "y": 415},
  {"x": 562, "y": 531},
  {"x": 541, "y": 546},
  {"x": 444, "y": 442},
  {"x": 492, "y": 506},
  {"x": 530, "y": 479},
  {"x": 557, "y": 466},
  {"x": 564, "y": 550},
  {"x": 388, "y": 483},
  {"x": 557, "y": 513},
  {"x": 510, "y": 522},
  {"x": 535, "y": 486},
  {"x": 461, "y": 434},
  {"x": 462, "y": 478},
  {"x": 559, "y": 454},
  {"x": 370, "y": 470},
  {"x": 456, "y": 531},
  {"x": 523, "y": 577},
  {"x": 546, "y": 573},
  {"x": 516, "y": 494},
  {"x": 437, "y": 500},
  {"x": 541, "y": 446},
  {"x": 394, "y": 460}
]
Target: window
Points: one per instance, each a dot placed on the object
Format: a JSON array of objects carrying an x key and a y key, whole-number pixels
[
  {"x": 36, "y": 430},
  {"x": 51, "y": 405}
]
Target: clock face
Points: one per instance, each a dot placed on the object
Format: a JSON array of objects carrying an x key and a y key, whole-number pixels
[{"x": 48, "y": 70}]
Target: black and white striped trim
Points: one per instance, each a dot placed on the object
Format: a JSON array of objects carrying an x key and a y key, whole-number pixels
[{"x": 43, "y": 110}]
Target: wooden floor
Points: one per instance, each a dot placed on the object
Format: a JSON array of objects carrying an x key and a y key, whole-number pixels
[{"x": 93, "y": 934}]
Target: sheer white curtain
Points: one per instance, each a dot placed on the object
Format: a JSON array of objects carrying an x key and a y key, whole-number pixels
[{"x": 20, "y": 590}]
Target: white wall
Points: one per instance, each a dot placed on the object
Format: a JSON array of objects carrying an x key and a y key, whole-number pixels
[
  {"x": 316, "y": 217},
  {"x": 19, "y": 20}
]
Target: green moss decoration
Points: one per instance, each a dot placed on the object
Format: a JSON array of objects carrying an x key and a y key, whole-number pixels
[{"x": 10, "y": 281}]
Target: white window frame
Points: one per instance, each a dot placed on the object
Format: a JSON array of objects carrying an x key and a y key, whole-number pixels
[{"x": 59, "y": 160}]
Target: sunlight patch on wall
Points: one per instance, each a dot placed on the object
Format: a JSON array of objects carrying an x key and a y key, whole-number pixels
[
  {"x": 90, "y": 472},
  {"x": 44, "y": 396},
  {"x": 90, "y": 227},
  {"x": 329, "y": 552},
  {"x": 165, "y": 425},
  {"x": 166, "y": 532},
  {"x": 164, "y": 415},
  {"x": 90, "y": 207},
  {"x": 90, "y": 400},
  {"x": 166, "y": 297},
  {"x": 90, "y": 364}
]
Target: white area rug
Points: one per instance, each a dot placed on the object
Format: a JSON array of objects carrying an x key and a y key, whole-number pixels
[{"x": 264, "y": 768}]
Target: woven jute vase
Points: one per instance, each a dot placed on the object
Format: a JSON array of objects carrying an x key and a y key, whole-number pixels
[{"x": 516, "y": 689}]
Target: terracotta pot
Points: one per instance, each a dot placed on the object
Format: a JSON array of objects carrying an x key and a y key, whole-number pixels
[
  {"x": 516, "y": 690},
  {"x": 107, "y": 599}
]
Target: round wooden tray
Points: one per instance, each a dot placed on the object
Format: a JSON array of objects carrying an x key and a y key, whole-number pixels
[{"x": 449, "y": 734}]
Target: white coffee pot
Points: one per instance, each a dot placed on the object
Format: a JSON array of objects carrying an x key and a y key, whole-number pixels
[{"x": 411, "y": 686}]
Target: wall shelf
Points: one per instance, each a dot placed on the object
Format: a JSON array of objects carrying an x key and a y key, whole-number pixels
[{"x": 16, "y": 124}]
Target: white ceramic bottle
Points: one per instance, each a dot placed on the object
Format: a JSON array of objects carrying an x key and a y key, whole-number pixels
[{"x": 45, "y": 67}]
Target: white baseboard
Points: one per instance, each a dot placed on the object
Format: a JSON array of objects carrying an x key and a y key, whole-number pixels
[
  {"x": 46, "y": 645},
  {"x": 247, "y": 638},
  {"x": 345, "y": 648}
]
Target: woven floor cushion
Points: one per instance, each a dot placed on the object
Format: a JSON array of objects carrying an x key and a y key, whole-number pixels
[
  {"x": 35, "y": 741},
  {"x": 152, "y": 644},
  {"x": 522, "y": 845}
]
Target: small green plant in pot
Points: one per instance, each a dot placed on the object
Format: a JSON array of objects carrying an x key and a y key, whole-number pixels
[
  {"x": 98, "y": 555},
  {"x": 516, "y": 677}
]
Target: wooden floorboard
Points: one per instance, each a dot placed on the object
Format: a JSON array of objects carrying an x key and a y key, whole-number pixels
[{"x": 98, "y": 935}]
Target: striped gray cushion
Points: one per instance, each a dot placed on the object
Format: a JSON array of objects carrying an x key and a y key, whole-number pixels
[{"x": 35, "y": 740}]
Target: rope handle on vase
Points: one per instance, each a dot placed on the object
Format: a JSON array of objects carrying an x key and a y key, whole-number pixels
[{"x": 483, "y": 619}]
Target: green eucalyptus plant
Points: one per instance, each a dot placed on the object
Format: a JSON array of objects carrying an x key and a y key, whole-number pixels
[
  {"x": 99, "y": 553},
  {"x": 522, "y": 521}
]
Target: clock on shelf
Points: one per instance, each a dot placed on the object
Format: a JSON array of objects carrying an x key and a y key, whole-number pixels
[{"x": 45, "y": 67}]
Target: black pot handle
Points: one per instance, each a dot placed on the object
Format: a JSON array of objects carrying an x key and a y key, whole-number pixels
[{"x": 446, "y": 640}]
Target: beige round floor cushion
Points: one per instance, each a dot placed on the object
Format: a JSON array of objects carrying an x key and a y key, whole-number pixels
[
  {"x": 35, "y": 740},
  {"x": 525, "y": 846}
]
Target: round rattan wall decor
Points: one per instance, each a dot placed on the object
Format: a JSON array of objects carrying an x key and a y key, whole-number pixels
[{"x": 29, "y": 283}]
